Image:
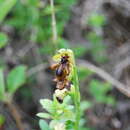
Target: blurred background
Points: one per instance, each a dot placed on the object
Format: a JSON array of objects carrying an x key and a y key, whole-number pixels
[{"x": 98, "y": 31}]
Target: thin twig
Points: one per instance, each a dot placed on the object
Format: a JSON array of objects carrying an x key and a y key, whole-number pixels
[
  {"x": 16, "y": 115},
  {"x": 22, "y": 52},
  {"x": 54, "y": 30},
  {"x": 121, "y": 66},
  {"x": 36, "y": 69},
  {"x": 121, "y": 87}
]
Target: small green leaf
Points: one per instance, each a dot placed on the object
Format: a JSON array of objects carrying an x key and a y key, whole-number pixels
[
  {"x": 48, "y": 10},
  {"x": 5, "y": 7},
  {"x": 66, "y": 3},
  {"x": 110, "y": 100},
  {"x": 47, "y": 105},
  {"x": 94, "y": 38},
  {"x": 44, "y": 115},
  {"x": 67, "y": 114},
  {"x": 2, "y": 85},
  {"x": 79, "y": 50},
  {"x": 53, "y": 123},
  {"x": 43, "y": 125},
  {"x": 62, "y": 43},
  {"x": 97, "y": 20},
  {"x": 2, "y": 120},
  {"x": 70, "y": 107},
  {"x": 3, "y": 40},
  {"x": 16, "y": 78},
  {"x": 99, "y": 91},
  {"x": 84, "y": 73},
  {"x": 32, "y": 2},
  {"x": 85, "y": 105},
  {"x": 69, "y": 125},
  {"x": 67, "y": 100}
]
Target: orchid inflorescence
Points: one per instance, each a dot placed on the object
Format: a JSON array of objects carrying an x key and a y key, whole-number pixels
[
  {"x": 64, "y": 109},
  {"x": 63, "y": 72}
]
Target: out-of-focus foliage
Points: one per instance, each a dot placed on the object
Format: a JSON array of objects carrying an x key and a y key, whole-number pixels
[
  {"x": 84, "y": 73},
  {"x": 43, "y": 125},
  {"x": 33, "y": 15},
  {"x": 14, "y": 80},
  {"x": 2, "y": 120},
  {"x": 79, "y": 50},
  {"x": 96, "y": 22},
  {"x": 31, "y": 20},
  {"x": 99, "y": 91},
  {"x": 2, "y": 85},
  {"x": 5, "y": 7},
  {"x": 3, "y": 40}
]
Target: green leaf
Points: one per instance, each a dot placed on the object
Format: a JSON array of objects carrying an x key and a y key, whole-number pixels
[
  {"x": 2, "y": 120},
  {"x": 44, "y": 115},
  {"x": 69, "y": 125},
  {"x": 32, "y": 2},
  {"x": 67, "y": 100},
  {"x": 67, "y": 115},
  {"x": 70, "y": 107},
  {"x": 5, "y": 7},
  {"x": 43, "y": 125},
  {"x": 16, "y": 78},
  {"x": 3, "y": 40},
  {"x": 94, "y": 38},
  {"x": 97, "y": 20},
  {"x": 53, "y": 123},
  {"x": 2, "y": 85},
  {"x": 99, "y": 91},
  {"x": 47, "y": 105},
  {"x": 62, "y": 43},
  {"x": 66, "y": 3},
  {"x": 98, "y": 49},
  {"x": 79, "y": 50},
  {"x": 84, "y": 73},
  {"x": 85, "y": 105},
  {"x": 110, "y": 100},
  {"x": 48, "y": 10}
]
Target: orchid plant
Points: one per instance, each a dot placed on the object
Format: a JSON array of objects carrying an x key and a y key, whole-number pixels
[{"x": 64, "y": 115}]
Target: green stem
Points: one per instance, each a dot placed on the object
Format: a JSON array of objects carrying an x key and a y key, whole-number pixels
[
  {"x": 76, "y": 98},
  {"x": 54, "y": 29}
]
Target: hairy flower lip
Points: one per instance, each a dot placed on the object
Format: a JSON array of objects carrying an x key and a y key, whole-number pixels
[{"x": 63, "y": 52}]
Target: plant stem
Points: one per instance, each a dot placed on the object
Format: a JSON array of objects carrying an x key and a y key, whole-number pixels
[
  {"x": 16, "y": 115},
  {"x": 76, "y": 98},
  {"x": 54, "y": 30}
]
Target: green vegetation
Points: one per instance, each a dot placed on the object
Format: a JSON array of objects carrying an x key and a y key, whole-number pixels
[
  {"x": 31, "y": 21},
  {"x": 3, "y": 40},
  {"x": 2, "y": 120},
  {"x": 6, "y": 6},
  {"x": 15, "y": 79},
  {"x": 96, "y": 22},
  {"x": 66, "y": 114}
]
